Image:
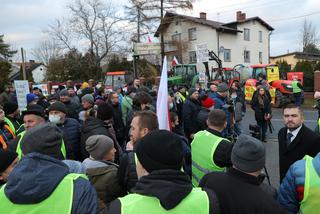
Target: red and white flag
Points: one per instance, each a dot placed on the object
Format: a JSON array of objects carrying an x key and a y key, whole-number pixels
[
  {"x": 174, "y": 61},
  {"x": 162, "y": 99}
]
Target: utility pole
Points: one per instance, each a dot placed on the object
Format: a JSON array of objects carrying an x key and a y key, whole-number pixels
[
  {"x": 161, "y": 36},
  {"x": 23, "y": 65}
]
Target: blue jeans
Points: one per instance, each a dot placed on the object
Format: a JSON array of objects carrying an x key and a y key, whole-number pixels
[{"x": 297, "y": 99}]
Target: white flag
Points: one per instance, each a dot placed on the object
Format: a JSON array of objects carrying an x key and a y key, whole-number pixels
[{"x": 162, "y": 99}]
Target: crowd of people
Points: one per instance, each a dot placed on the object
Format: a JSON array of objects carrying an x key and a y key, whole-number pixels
[{"x": 97, "y": 150}]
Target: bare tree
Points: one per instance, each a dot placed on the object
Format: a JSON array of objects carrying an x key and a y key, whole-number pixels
[
  {"x": 309, "y": 37},
  {"x": 157, "y": 8},
  {"x": 46, "y": 50},
  {"x": 91, "y": 22},
  {"x": 60, "y": 31}
]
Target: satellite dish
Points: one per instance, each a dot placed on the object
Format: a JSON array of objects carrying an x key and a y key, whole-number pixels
[{"x": 221, "y": 49}]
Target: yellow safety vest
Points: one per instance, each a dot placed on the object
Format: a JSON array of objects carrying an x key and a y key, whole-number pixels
[
  {"x": 196, "y": 202},
  {"x": 203, "y": 147}
]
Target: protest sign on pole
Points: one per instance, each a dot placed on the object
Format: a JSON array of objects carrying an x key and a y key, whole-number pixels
[
  {"x": 22, "y": 89},
  {"x": 202, "y": 53},
  {"x": 43, "y": 87}
]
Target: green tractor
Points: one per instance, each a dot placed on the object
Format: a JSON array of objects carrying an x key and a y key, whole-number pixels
[{"x": 183, "y": 74}]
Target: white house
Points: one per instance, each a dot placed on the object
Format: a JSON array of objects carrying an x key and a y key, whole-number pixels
[
  {"x": 39, "y": 73},
  {"x": 37, "y": 70},
  {"x": 244, "y": 41}
]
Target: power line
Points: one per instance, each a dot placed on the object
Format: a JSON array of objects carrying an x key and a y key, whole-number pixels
[
  {"x": 250, "y": 7},
  {"x": 294, "y": 17}
]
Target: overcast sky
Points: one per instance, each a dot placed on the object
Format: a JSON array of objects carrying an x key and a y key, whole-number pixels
[{"x": 23, "y": 21}]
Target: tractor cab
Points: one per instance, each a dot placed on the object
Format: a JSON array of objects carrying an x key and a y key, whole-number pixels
[
  {"x": 182, "y": 74},
  {"x": 117, "y": 78},
  {"x": 228, "y": 75}
]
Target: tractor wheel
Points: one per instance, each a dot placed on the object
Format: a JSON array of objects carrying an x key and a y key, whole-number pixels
[{"x": 278, "y": 99}]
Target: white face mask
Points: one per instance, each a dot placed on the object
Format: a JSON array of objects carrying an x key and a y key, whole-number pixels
[{"x": 54, "y": 118}]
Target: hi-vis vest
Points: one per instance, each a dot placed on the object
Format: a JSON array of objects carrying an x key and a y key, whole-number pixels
[
  {"x": 203, "y": 147},
  {"x": 182, "y": 97},
  {"x": 295, "y": 87},
  {"x": 196, "y": 202},
  {"x": 59, "y": 202},
  {"x": 19, "y": 151},
  {"x": 10, "y": 124},
  {"x": 311, "y": 194},
  {"x": 3, "y": 141}
]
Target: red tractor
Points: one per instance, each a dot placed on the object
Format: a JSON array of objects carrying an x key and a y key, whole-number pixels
[{"x": 280, "y": 90}]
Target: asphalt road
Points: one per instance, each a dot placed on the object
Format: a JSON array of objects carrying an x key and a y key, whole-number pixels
[{"x": 272, "y": 158}]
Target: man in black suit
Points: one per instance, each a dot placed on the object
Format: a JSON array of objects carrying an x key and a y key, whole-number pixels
[{"x": 295, "y": 140}]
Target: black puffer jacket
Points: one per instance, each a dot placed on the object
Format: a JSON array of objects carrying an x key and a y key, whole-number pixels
[
  {"x": 191, "y": 109},
  {"x": 95, "y": 126},
  {"x": 261, "y": 110},
  {"x": 71, "y": 134}
]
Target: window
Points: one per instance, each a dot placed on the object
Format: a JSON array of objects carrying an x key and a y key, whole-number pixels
[
  {"x": 227, "y": 55},
  {"x": 246, "y": 55},
  {"x": 192, "y": 57},
  {"x": 192, "y": 34},
  {"x": 260, "y": 57},
  {"x": 176, "y": 37},
  {"x": 246, "y": 34},
  {"x": 260, "y": 36}
]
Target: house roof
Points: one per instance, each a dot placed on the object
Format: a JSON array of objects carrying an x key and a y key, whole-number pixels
[
  {"x": 256, "y": 18},
  {"x": 16, "y": 67},
  {"x": 298, "y": 55},
  {"x": 171, "y": 17}
]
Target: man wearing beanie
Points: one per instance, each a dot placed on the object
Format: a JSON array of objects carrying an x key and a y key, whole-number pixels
[
  {"x": 72, "y": 108},
  {"x": 190, "y": 112},
  {"x": 70, "y": 128},
  {"x": 12, "y": 119},
  {"x": 180, "y": 98},
  {"x": 207, "y": 104},
  {"x": 32, "y": 117},
  {"x": 239, "y": 190},
  {"x": 8, "y": 160},
  {"x": 32, "y": 99},
  {"x": 210, "y": 152},
  {"x": 87, "y": 103},
  {"x": 41, "y": 170},
  {"x": 101, "y": 169},
  {"x": 100, "y": 124},
  {"x": 162, "y": 186}
]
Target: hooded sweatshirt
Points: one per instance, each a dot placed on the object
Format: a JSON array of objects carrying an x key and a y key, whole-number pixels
[{"x": 36, "y": 177}]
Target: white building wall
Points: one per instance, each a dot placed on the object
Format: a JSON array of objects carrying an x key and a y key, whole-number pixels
[
  {"x": 235, "y": 42},
  {"x": 39, "y": 74},
  {"x": 238, "y": 45}
]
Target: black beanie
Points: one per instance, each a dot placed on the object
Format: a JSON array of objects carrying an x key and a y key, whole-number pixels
[
  {"x": 160, "y": 149},
  {"x": 104, "y": 111},
  {"x": 58, "y": 106},
  {"x": 10, "y": 107},
  {"x": 48, "y": 144},
  {"x": 34, "y": 109},
  {"x": 6, "y": 159}
]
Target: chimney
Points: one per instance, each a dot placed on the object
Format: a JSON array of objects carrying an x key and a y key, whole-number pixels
[
  {"x": 240, "y": 16},
  {"x": 203, "y": 15}
]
